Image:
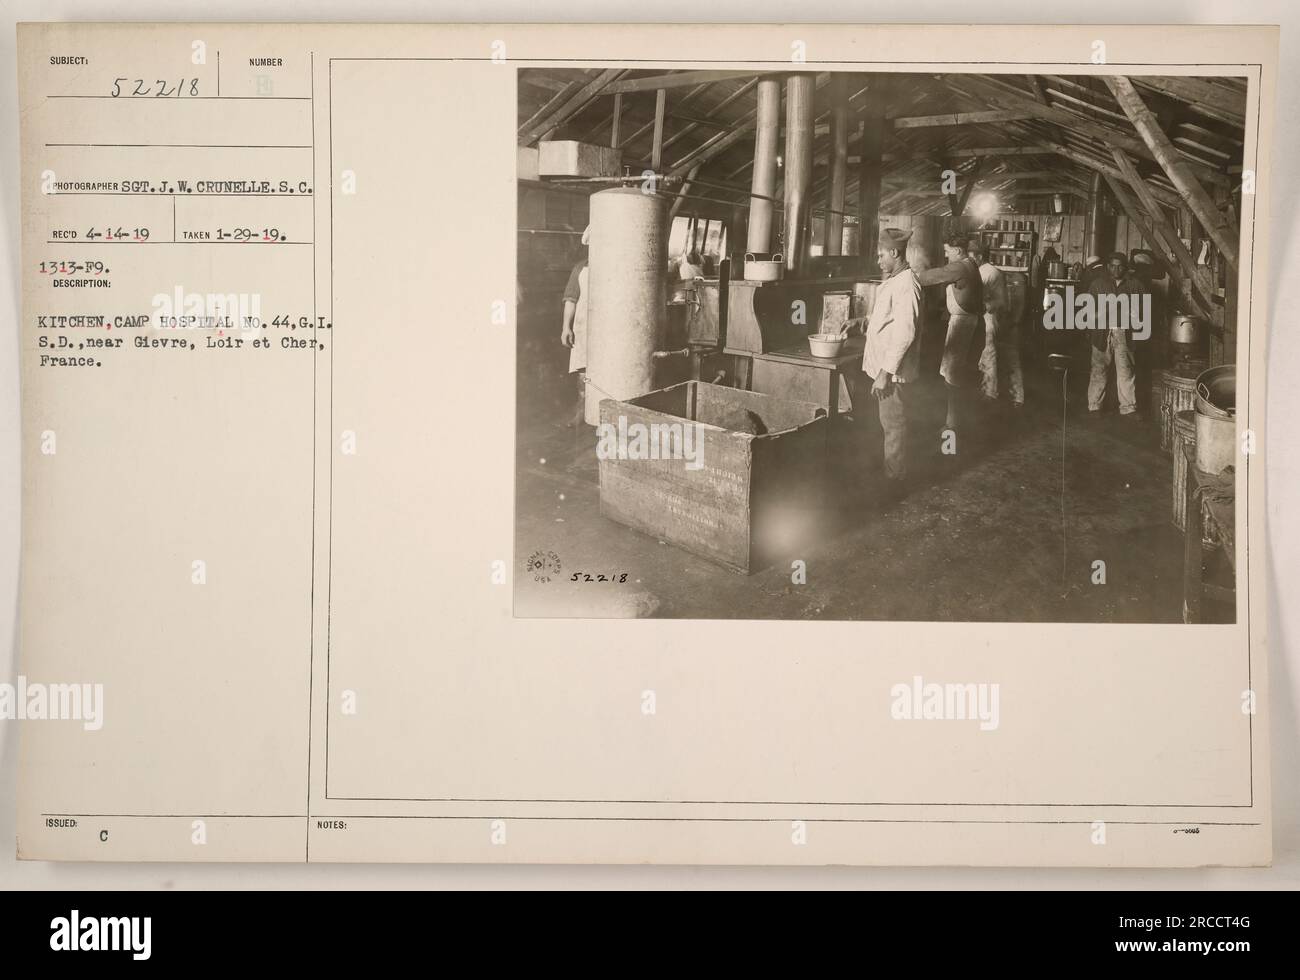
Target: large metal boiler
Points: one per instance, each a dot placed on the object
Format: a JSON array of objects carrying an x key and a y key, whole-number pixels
[{"x": 626, "y": 313}]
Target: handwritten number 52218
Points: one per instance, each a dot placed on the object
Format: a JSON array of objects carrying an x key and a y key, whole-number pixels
[{"x": 160, "y": 89}]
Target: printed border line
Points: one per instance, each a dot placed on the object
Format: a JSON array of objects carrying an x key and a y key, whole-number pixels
[
  {"x": 810, "y": 820},
  {"x": 311, "y": 611},
  {"x": 1258, "y": 81},
  {"x": 590, "y": 819},
  {"x": 182, "y": 816}
]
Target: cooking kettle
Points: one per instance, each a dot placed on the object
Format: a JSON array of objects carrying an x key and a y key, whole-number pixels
[{"x": 1186, "y": 329}]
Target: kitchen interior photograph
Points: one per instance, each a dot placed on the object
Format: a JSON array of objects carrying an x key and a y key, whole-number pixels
[{"x": 848, "y": 297}]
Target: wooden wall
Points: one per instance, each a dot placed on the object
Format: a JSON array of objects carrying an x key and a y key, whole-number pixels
[
  {"x": 925, "y": 250},
  {"x": 549, "y": 243},
  {"x": 550, "y": 226}
]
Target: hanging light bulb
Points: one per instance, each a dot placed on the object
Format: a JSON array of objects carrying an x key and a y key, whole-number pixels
[{"x": 984, "y": 206}]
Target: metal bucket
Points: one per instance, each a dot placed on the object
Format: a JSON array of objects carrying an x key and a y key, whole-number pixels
[
  {"x": 1216, "y": 418},
  {"x": 1216, "y": 392},
  {"x": 1215, "y": 442},
  {"x": 763, "y": 270},
  {"x": 1185, "y": 330}
]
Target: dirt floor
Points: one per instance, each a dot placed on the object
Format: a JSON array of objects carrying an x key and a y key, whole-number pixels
[{"x": 985, "y": 534}]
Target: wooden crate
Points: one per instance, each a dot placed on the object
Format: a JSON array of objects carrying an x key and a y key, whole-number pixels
[
  {"x": 569, "y": 158},
  {"x": 754, "y": 499}
]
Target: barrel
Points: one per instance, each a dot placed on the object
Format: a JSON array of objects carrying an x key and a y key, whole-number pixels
[
  {"x": 627, "y": 268},
  {"x": 1184, "y": 434},
  {"x": 1177, "y": 394},
  {"x": 1157, "y": 390}
]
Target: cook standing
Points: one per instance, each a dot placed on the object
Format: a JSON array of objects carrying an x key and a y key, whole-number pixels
[{"x": 573, "y": 333}]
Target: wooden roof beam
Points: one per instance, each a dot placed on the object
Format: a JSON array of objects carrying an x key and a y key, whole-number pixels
[
  {"x": 731, "y": 99},
  {"x": 722, "y": 142},
  {"x": 549, "y": 108},
  {"x": 1032, "y": 149},
  {"x": 575, "y": 104},
  {"x": 1068, "y": 119},
  {"x": 1106, "y": 169},
  {"x": 711, "y": 148},
  {"x": 1205, "y": 97},
  {"x": 1161, "y": 237},
  {"x": 543, "y": 80},
  {"x": 675, "y": 80},
  {"x": 959, "y": 119},
  {"x": 649, "y": 124},
  {"x": 1176, "y": 167}
]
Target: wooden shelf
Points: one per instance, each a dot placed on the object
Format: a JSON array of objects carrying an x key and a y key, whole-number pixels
[{"x": 1019, "y": 242}]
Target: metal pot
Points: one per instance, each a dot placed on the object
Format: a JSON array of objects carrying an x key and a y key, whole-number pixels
[
  {"x": 1216, "y": 392},
  {"x": 1216, "y": 422},
  {"x": 1185, "y": 330},
  {"x": 763, "y": 270},
  {"x": 1058, "y": 270}
]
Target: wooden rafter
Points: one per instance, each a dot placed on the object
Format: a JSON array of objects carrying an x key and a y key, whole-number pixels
[
  {"x": 1161, "y": 242},
  {"x": 1176, "y": 167},
  {"x": 1208, "y": 98},
  {"x": 949, "y": 119},
  {"x": 959, "y": 202},
  {"x": 571, "y": 107},
  {"x": 1199, "y": 276},
  {"x": 673, "y": 80},
  {"x": 657, "y": 145},
  {"x": 548, "y": 109},
  {"x": 982, "y": 87}
]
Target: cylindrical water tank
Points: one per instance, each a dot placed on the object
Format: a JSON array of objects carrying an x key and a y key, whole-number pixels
[{"x": 627, "y": 264}]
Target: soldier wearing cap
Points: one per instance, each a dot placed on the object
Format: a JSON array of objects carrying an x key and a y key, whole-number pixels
[
  {"x": 1110, "y": 340},
  {"x": 892, "y": 354},
  {"x": 1001, "y": 354},
  {"x": 573, "y": 329},
  {"x": 1093, "y": 268}
]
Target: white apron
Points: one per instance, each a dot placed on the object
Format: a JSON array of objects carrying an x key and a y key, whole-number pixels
[{"x": 578, "y": 354}]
